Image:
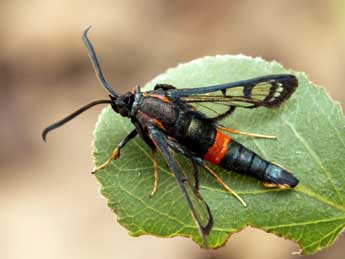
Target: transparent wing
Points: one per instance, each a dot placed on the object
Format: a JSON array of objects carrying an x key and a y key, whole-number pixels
[
  {"x": 220, "y": 100},
  {"x": 189, "y": 173},
  {"x": 196, "y": 204}
]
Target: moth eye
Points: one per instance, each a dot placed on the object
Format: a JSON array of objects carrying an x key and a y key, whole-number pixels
[{"x": 128, "y": 99}]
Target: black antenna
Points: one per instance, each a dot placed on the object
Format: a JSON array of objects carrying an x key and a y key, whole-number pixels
[
  {"x": 71, "y": 116},
  {"x": 95, "y": 63}
]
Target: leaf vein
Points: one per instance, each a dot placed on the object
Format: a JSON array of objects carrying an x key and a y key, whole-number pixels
[
  {"x": 315, "y": 156},
  {"x": 304, "y": 223},
  {"x": 151, "y": 208}
]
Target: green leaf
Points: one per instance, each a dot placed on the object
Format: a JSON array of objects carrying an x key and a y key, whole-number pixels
[{"x": 310, "y": 128}]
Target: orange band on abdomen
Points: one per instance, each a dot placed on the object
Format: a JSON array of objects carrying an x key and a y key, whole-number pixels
[{"x": 217, "y": 151}]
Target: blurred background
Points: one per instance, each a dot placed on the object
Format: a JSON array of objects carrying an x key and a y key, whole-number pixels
[{"x": 50, "y": 204}]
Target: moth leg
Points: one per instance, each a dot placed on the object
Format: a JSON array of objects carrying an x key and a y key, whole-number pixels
[
  {"x": 161, "y": 143},
  {"x": 254, "y": 135},
  {"x": 155, "y": 170},
  {"x": 201, "y": 162},
  {"x": 222, "y": 183},
  {"x": 116, "y": 152}
]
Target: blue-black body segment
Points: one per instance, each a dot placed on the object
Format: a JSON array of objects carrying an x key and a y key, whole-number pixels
[{"x": 244, "y": 161}]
